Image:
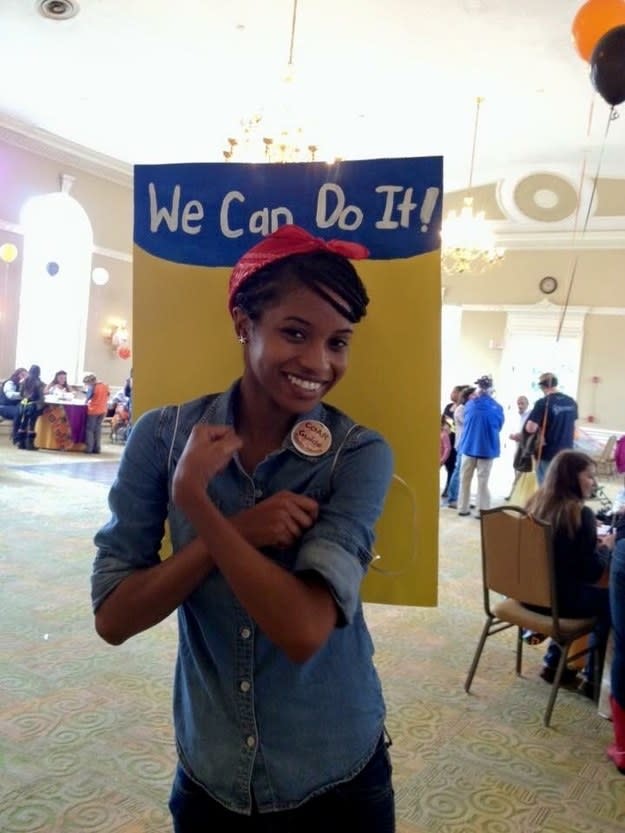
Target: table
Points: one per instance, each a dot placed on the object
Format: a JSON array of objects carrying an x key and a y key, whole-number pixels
[{"x": 62, "y": 426}]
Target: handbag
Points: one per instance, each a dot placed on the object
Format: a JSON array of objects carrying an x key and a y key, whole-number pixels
[{"x": 525, "y": 453}]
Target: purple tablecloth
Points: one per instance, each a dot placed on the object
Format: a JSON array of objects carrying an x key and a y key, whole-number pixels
[{"x": 77, "y": 418}]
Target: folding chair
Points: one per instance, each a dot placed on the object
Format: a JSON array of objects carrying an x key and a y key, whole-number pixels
[{"x": 518, "y": 564}]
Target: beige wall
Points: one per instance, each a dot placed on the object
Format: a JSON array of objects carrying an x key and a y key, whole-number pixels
[
  {"x": 599, "y": 280},
  {"x": 483, "y": 333},
  {"x": 603, "y": 357},
  {"x": 109, "y": 206},
  {"x": 480, "y": 332}
]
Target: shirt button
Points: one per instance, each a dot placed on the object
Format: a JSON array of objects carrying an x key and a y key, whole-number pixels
[
  {"x": 245, "y": 633},
  {"x": 245, "y": 686},
  {"x": 251, "y": 741},
  {"x": 258, "y": 492}
]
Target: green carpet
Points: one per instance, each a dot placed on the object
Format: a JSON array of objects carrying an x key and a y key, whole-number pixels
[{"x": 85, "y": 730}]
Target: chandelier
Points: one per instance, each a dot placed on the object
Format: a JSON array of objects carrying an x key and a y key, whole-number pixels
[
  {"x": 274, "y": 134},
  {"x": 468, "y": 244}
]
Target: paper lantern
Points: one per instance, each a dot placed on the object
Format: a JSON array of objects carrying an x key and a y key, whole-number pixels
[
  {"x": 8, "y": 252},
  {"x": 124, "y": 352},
  {"x": 100, "y": 276}
]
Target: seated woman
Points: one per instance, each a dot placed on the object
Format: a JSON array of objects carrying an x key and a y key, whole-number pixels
[
  {"x": 58, "y": 386},
  {"x": 580, "y": 558},
  {"x": 10, "y": 396}
]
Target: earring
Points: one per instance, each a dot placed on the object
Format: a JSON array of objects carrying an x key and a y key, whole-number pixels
[{"x": 242, "y": 339}]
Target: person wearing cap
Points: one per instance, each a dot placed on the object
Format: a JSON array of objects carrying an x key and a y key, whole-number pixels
[
  {"x": 553, "y": 417},
  {"x": 271, "y": 498},
  {"x": 479, "y": 445}
]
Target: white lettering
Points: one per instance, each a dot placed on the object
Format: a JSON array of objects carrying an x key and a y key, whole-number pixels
[
  {"x": 192, "y": 211},
  {"x": 157, "y": 215},
  {"x": 259, "y": 222},
  {"x": 280, "y": 213},
  {"x": 341, "y": 213},
  {"x": 223, "y": 214}
]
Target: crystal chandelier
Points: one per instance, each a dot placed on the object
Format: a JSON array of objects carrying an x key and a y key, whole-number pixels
[
  {"x": 468, "y": 244},
  {"x": 266, "y": 136}
]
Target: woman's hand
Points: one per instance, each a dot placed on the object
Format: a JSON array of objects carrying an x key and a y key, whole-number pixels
[
  {"x": 208, "y": 451},
  {"x": 279, "y": 521}
]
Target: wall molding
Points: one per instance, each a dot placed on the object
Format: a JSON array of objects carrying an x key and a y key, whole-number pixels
[
  {"x": 43, "y": 143},
  {"x": 543, "y": 307},
  {"x": 114, "y": 254}
]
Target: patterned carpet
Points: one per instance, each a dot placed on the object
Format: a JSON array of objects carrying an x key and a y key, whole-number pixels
[{"x": 85, "y": 731}]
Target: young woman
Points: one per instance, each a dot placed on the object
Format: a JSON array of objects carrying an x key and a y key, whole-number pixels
[
  {"x": 59, "y": 384},
  {"x": 580, "y": 558},
  {"x": 271, "y": 497},
  {"x": 10, "y": 397},
  {"x": 31, "y": 405}
]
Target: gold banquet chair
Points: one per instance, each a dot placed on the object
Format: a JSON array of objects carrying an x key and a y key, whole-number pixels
[{"x": 518, "y": 563}]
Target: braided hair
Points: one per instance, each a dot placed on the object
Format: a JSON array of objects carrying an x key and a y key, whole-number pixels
[{"x": 325, "y": 273}]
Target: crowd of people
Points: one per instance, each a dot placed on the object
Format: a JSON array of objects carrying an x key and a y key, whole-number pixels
[
  {"x": 552, "y": 482},
  {"x": 23, "y": 398}
]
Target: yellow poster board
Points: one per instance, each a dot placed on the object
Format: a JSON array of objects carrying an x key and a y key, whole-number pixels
[{"x": 185, "y": 346}]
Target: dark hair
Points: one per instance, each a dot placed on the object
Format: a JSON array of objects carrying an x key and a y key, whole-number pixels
[
  {"x": 322, "y": 272},
  {"x": 559, "y": 500},
  {"x": 32, "y": 383},
  {"x": 466, "y": 393},
  {"x": 15, "y": 376},
  {"x": 548, "y": 380},
  {"x": 55, "y": 381}
]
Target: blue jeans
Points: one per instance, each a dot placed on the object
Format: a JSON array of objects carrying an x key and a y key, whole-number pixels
[
  {"x": 591, "y": 601},
  {"x": 454, "y": 483},
  {"x": 363, "y": 805},
  {"x": 617, "y": 607}
]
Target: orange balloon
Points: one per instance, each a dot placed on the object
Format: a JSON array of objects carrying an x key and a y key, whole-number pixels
[
  {"x": 124, "y": 352},
  {"x": 593, "y": 20}
]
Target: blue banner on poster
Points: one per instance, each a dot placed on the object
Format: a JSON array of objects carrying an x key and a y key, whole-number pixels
[{"x": 210, "y": 214}]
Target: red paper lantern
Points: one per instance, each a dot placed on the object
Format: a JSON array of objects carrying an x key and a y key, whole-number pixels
[{"x": 124, "y": 352}]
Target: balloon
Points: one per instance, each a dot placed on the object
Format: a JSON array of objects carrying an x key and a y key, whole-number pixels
[
  {"x": 100, "y": 276},
  {"x": 52, "y": 268},
  {"x": 124, "y": 352},
  {"x": 8, "y": 252},
  {"x": 593, "y": 20},
  {"x": 607, "y": 66}
]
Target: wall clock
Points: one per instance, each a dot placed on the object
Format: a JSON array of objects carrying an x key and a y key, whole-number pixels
[{"x": 548, "y": 285}]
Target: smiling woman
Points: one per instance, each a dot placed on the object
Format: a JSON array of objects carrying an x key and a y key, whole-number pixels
[{"x": 271, "y": 497}]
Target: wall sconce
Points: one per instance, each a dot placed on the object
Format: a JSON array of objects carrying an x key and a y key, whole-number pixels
[{"x": 117, "y": 335}]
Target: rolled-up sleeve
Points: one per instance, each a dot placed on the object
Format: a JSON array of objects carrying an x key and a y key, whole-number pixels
[
  {"x": 138, "y": 500},
  {"x": 339, "y": 545}
]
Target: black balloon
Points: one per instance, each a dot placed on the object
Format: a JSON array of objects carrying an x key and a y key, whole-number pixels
[
  {"x": 52, "y": 268},
  {"x": 607, "y": 66}
]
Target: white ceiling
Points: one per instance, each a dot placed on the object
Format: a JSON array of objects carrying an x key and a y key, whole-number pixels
[{"x": 167, "y": 80}]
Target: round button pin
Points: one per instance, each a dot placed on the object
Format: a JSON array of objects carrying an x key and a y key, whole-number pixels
[{"x": 311, "y": 437}]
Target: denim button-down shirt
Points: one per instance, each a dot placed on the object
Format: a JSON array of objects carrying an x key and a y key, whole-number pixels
[{"x": 247, "y": 719}]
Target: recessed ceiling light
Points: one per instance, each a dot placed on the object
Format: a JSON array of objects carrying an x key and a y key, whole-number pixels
[{"x": 58, "y": 9}]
